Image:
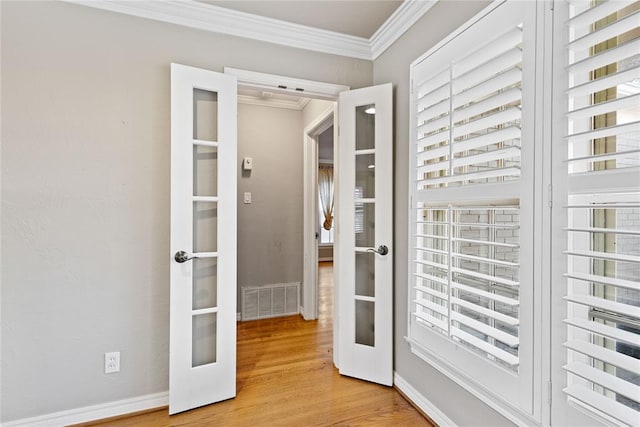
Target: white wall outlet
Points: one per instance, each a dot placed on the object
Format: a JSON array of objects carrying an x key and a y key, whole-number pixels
[
  {"x": 247, "y": 197},
  {"x": 112, "y": 362}
]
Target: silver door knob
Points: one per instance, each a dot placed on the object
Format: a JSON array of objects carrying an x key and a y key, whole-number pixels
[
  {"x": 382, "y": 250},
  {"x": 182, "y": 256}
]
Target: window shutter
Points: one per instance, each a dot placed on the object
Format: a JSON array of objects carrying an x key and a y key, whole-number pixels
[
  {"x": 603, "y": 209},
  {"x": 468, "y": 117},
  {"x": 467, "y": 257}
]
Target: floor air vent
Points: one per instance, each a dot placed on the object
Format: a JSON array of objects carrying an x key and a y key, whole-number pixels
[{"x": 261, "y": 302}]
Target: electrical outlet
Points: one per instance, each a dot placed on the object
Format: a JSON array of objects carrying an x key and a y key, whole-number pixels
[{"x": 112, "y": 362}]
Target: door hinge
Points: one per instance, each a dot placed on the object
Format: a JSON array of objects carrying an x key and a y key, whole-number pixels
[
  {"x": 549, "y": 392},
  {"x": 412, "y": 86},
  {"x": 551, "y": 4},
  {"x": 550, "y": 195}
]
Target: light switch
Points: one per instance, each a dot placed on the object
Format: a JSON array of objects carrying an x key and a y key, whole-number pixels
[
  {"x": 247, "y": 164},
  {"x": 247, "y": 197}
]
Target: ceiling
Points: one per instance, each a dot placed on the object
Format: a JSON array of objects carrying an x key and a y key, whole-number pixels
[{"x": 360, "y": 18}]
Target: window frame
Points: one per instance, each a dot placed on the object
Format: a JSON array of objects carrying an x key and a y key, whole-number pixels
[{"x": 433, "y": 349}]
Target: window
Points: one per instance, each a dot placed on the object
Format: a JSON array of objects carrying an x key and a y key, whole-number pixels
[
  {"x": 602, "y": 209},
  {"x": 472, "y": 206}
]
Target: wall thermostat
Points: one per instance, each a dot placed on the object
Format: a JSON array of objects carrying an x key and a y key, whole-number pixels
[{"x": 247, "y": 163}]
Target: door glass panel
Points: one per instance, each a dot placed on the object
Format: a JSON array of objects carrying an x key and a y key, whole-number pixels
[
  {"x": 205, "y": 171},
  {"x": 365, "y": 274},
  {"x": 365, "y": 174},
  {"x": 205, "y": 115},
  {"x": 365, "y": 127},
  {"x": 203, "y": 349},
  {"x": 205, "y": 283},
  {"x": 205, "y": 227},
  {"x": 365, "y": 328},
  {"x": 365, "y": 224}
]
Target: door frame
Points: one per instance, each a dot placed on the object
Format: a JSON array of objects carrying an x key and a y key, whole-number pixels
[
  {"x": 314, "y": 90},
  {"x": 310, "y": 217}
]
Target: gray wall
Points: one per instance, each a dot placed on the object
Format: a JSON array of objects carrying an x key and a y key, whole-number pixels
[
  {"x": 85, "y": 197},
  {"x": 270, "y": 228},
  {"x": 393, "y": 66}
]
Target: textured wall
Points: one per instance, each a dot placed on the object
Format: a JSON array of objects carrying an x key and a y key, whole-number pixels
[{"x": 85, "y": 194}]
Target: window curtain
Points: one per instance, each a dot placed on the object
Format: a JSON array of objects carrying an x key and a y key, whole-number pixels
[{"x": 325, "y": 193}]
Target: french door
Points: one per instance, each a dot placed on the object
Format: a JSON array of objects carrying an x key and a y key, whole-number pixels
[
  {"x": 202, "y": 362},
  {"x": 365, "y": 242}
]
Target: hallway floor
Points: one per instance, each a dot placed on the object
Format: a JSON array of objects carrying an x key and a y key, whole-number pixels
[{"x": 286, "y": 377}]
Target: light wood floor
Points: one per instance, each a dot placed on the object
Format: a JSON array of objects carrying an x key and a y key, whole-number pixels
[{"x": 286, "y": 377}]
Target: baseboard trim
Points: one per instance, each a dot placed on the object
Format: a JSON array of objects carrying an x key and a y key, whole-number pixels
[
  {"x": 421, "y": 402},
  {"x": 95, "y": 412}
]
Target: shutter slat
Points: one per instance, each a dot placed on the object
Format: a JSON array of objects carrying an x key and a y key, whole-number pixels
[
  {"x": 614, "y": 29},
  {"x": 506, "y": 79},
  {"x": 431, "y": 264},
  {"x": 495, "y": 137},
  {"x": 508, "y": 358},
  {"x": 485, "y": 260},
  {"x": 432, "y": 292},
  {"x": 485, "y": 242},
  {"x": 610, "y": 80},
  {"x": 602, "y": 157},
  {"x": 440, "y": 324},
  {"x": 511, "y": 114},
  {"x": 424, "y": 142},
  {"x": 434, "y": 97},
  {"x": 505, "y": 300},
  {"x": 604, "y": 304},
  {"x": 602, "y": 403},
  {"x": 489, "y": 278},
  {"x": 508, "y": 339},
  {"x": 435, "y": 82},
  {"x": 489, "y": 156},
  {"x": 431, "y": 154},
  {"x": 611, "y": 256},
  {"x": 492, "y": 49},
  {"x": 609, "y": 56},
  {"x": 498, "y": 100},
  {"x": 491, "y": 173},
  {"x": 605, "y": 355},
  {"x": 434, "y": 111},
  {"x": 432, "y": 278},
  {"x": 487, "y": 70},
  {"x": 432, "y": 306},
  {"x": 598, "y": 12},
  {"x": 606, "y": 331},
  {"x": 512, "y": 321},
  {"x": 604, "y": 132},
  {"x": 433, "y": 125},
  {"x": 630, "y": 101},
  {"x": 628, "y": 284},
  {"x": 607, "y": 381}
]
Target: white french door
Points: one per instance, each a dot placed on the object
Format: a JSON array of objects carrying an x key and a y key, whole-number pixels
[
  {"x": 202, "y": 361},
  {"x": 365, "y": 243}
]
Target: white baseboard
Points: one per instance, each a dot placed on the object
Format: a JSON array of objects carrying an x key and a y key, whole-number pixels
[
  {"x": 325, "y": 259},
  {"x": 238, "y": 316},
  {"x": 95, "y": 412},
  {"x": 422, "y": 402}
]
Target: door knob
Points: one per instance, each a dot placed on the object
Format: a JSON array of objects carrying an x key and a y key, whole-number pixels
[
  {"x": 182, "y": 256},
  {"x": 382, "y": 250}
]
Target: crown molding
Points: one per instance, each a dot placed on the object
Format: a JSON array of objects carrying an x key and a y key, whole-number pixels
[
  {"x": 274, "y": 103},
  {"x": 216, "y": 19},
  {"x": 398, "y": 23}
]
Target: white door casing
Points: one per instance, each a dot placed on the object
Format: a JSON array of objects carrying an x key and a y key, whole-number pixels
[
  {"x": 365, "y": 243},
  {"x": 202, "y": 362}
]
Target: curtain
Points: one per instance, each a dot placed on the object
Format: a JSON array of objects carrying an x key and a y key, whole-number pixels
[{"x": 325, "y": 193}]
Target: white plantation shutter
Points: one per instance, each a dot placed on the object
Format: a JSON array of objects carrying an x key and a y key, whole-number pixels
[
  {"x": 602, "y": 147},
  {"x": 472, "y": 202}
]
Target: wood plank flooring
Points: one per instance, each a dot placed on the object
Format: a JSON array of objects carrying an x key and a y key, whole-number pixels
[{"x": 286, "y": 377}]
